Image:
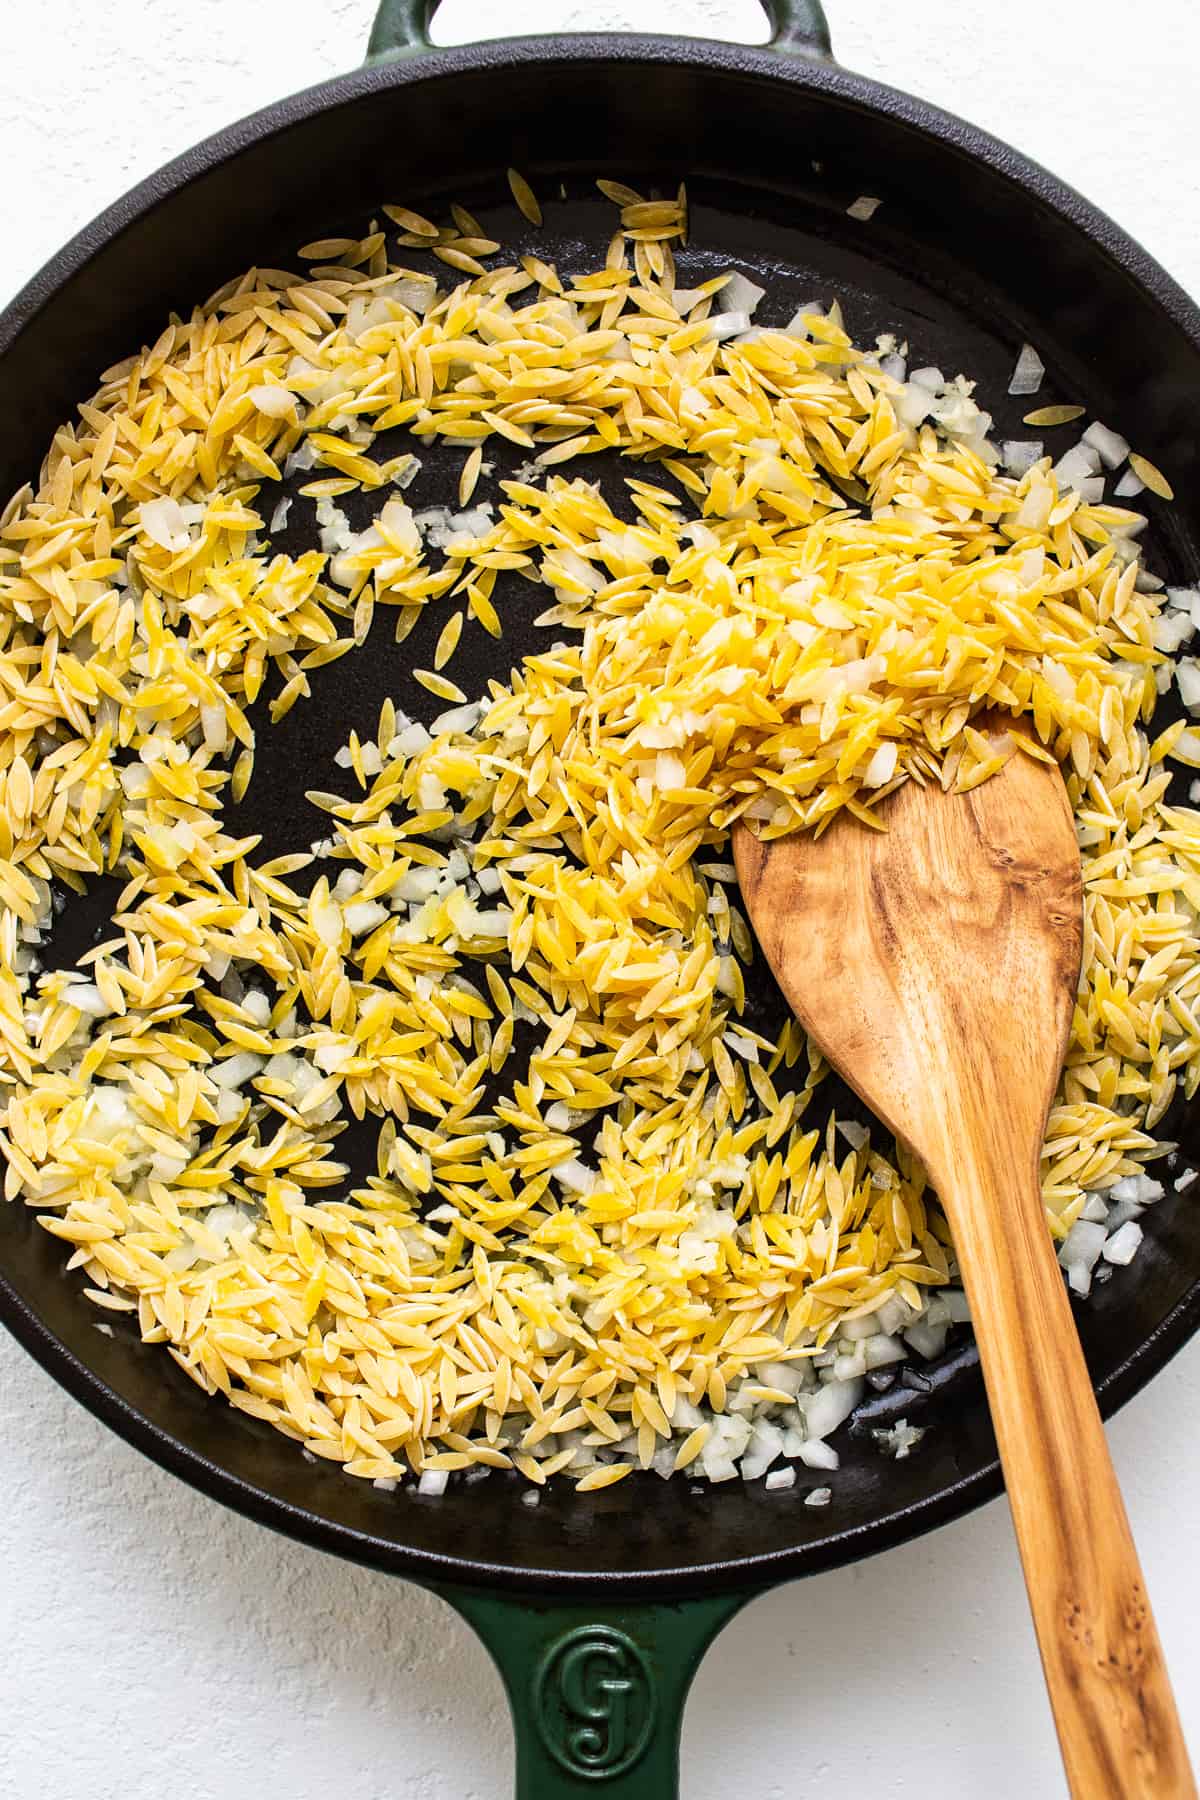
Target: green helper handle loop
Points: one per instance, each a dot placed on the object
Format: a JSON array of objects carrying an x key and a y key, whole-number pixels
[
  {"x": 402, "y": 28},
  {"x": 596, "y": 1690}
]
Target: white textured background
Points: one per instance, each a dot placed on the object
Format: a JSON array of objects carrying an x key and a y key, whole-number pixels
[{"x": 152, "y": 1644}]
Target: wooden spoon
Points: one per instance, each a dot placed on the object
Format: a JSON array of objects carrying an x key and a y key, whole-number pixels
[{"x": 935, "y": 964}]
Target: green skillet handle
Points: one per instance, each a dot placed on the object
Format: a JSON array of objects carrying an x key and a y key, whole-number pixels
[
  {"x": 798, "y": 26},
  {"x": 402, "y": 27},
  {"x": 596, "y": 1691}
]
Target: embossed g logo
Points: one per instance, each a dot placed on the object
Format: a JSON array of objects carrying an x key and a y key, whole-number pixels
[{"x": 595, "y": 1701}]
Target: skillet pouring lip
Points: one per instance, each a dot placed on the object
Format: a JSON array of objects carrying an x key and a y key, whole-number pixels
[{"x": 972, "y": 147}]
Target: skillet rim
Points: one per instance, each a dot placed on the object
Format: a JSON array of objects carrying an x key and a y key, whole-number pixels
[
  {"x": 813, "y": 72},
  {"x": 803, "y": 71}
]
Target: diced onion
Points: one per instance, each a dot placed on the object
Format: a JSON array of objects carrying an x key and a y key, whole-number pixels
[
  {"x": 882, "y": 765},
  {"x": 1110, "y": 446},
  {"x": 274, "y": 402},
  {"x": 163, "y": 522},
  {"x": 1028, "y": 372},
  {"x": 728, "y": 325},
  {"x": 1122, "y": 1246},
  {"x": 236, "y": 1069},
  {"x": 740, "y": 295},
  {"x": 1020, "y": 454}
]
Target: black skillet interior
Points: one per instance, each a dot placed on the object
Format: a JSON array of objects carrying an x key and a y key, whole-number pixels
[{"x": 971, "y": 252}]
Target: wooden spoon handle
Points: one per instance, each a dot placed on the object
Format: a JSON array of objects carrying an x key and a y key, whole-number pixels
[{"x": 1108, "y": 1684}]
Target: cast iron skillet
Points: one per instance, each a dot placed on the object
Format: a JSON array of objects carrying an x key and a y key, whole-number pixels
[{"x": 598, "y": 1608}]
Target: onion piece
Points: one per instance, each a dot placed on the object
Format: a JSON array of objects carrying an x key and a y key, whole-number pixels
[
  {"x": 1080, "y": 1253},
  {"x": 740, "y": 295},
  {"x": 1020, "y": 454},
  {"x": 1028, "y": 372},
  {"x": 1123, "y": 1245},
  {"x": 882, "y": 765},
  {"x": 163, "y": 522},
  {"x": 728, "y": 325},
  {"x": 795, "y": 326},
  {"x": 1170, "y": 630},
  {"x": 236, "y": 1070},
  {"x": 900, "y": 1440},
  {"x": 364, "y": 916},
  {"x": 826, "y": 1408},
  {"x": 214, "y": 726},
  {"x": 273, "y": 402},
  {"x": 1110, "y": 447},
  {"x": 1078, "y": 464},
  {"x": 814, "y": 1453},
  {"x": 86, "y": 998}
]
